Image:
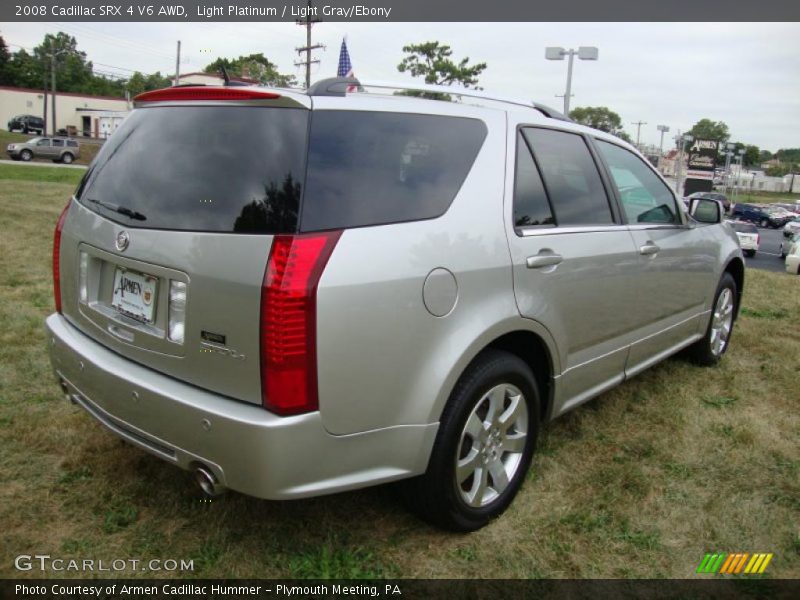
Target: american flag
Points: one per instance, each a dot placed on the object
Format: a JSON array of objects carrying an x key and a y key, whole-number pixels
[{"x": 345, "y": 66}]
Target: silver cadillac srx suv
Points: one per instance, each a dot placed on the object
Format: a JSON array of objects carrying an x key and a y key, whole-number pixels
[{"x": 294, "y": 294}]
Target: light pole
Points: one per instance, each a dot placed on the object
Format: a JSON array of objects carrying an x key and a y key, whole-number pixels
[
  {"x": 558, "y": 53},
  {"x": 728, "y": 154},
  {"x": 663, "y": 129}
]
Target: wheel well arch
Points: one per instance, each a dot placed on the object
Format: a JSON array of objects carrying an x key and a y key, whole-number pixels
[
  {"x": 736, "y": 268},
  {"x": 533, "y": 350}
]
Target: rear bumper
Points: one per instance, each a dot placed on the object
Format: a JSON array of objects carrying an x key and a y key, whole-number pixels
[{"x": 248, "y": 449}]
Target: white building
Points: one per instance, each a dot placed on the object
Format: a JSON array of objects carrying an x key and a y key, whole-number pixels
[{"x": 79, "y": 114}]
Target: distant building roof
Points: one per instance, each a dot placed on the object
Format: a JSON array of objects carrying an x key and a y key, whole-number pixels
[{"x": 58, "y": 93}]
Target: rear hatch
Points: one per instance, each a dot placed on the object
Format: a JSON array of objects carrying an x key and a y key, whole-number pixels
[{"x": 164, "y": 251}]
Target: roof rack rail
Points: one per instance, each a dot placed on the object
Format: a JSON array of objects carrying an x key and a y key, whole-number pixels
[
  {"x": 332, "y": 89},
  {"x": 333, "y": 86}
]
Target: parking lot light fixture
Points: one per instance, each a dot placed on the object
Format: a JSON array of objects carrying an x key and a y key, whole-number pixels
[{"x": 558, "y": 53}]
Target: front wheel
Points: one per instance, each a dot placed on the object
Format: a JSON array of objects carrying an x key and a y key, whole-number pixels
[
  {"x": 709, "y": 350},
  {"x": 26, "y": 155},
  {"x": 487, "y": 435}
]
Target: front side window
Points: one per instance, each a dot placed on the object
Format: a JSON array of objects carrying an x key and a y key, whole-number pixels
[
  {"x": 43, "y": 142},
  {"x": 645, "y": 198},
  {"x": 570, "y": 176}
]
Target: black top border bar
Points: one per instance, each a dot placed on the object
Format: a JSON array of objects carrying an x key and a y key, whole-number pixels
[{"x": 400, "y": 11}]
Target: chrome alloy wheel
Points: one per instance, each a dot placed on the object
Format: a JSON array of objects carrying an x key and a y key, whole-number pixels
[
  {"x": 490, "y": 449},
  {"x": 721, "y": 322}
]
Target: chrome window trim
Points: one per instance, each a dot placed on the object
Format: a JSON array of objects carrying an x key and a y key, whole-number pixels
[{"x": 534, "y": 230}]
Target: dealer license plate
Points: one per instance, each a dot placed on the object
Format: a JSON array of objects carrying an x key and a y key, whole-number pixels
[{"x": 135, "y": 294}]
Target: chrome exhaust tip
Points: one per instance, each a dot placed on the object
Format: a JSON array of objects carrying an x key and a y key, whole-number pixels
[{"x": 208, "y": 483}]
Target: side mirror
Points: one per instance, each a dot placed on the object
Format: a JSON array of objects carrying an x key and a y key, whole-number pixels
[{"x": 705, "y": 210}]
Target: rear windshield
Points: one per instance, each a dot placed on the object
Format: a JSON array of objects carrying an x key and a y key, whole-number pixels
[
  {"x": 744, "y": 227},
  {"x": 243, "y": 169},
  {"x": 202, "y": 168}
]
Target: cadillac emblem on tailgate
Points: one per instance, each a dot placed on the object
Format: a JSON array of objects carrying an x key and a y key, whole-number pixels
[{"x": 123, "y": 239}]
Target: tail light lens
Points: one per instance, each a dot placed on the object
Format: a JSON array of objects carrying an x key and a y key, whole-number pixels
[
  {"x": 288, "y": 321},
  {"x": 177, "y": 311},
  {"x": 57, "y": 256}
]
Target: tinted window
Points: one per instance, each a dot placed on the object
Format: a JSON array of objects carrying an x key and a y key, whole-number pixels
[
  {"x": 203, "y": 168},
  {"x": 645, "y": 198},
  {"x": 570, "y": 176},
  {"x": 530, "y": 200},
  {"x": 58, "y": 143},
  {"x": 72, "y": 144},
  {"x": 744, "y": 227},
  {"x": 369, "y": 168},
  {"x": 43, "y": 143}
]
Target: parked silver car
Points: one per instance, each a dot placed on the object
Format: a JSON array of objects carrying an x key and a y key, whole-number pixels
[
  {"x": 371, "y": 287},
  {"x": 57, "y": 149}
]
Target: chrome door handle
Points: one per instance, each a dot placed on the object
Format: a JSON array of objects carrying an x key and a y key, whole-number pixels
[
  {"x": 543, "y": 260},
  {"x": 648, "y": 249}
]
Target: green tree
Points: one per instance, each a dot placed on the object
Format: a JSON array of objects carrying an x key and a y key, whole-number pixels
[
  {"x": 139, "y": 82},
  {"x": 788, "y": 155},
  {"x": 778, "y": 170},
  {"x": 254, "y": 66},
  {"x": 602, "y": 118},
  {"x": 432, "y": 61},
  {"x": 599, "y": 117},
  {"x": 751, "y": 155},
  {"x": 706, "y": 129},
  {"x": 73, "y": 71},
  {"x": 764, "y": 156},
  {"x": 5, "y": 60}
]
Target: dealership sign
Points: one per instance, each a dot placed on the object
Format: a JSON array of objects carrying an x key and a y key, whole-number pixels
[{"x": 700, "y": 166}]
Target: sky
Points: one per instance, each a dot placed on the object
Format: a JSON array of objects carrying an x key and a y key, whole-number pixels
[{"x": 673, "y": 74}]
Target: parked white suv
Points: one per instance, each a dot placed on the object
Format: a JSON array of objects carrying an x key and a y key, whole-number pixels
[{"x": 295, "y": 294}]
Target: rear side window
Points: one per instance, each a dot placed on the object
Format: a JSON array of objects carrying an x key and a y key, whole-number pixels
[
  {"x": 530, "y": 200},
  {"x": 59, "y": 143},
  {"x": 570, "y": 176},
  {"x": 202, "y": 168},
  {"x": 645, "y": 198},
  {"x": 373, "y": 168}
]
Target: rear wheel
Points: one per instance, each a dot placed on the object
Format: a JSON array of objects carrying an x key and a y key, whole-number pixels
[
  {"x": 26, "y": 155},
  {"x": 764, "y": 223},
  {"x": 482, "y": 452},
  {"x": 709, "y": 350},
  {"x": 67, "y": 158}
]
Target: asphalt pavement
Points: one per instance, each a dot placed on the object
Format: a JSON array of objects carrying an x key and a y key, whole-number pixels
[{"x": 768, "y": 256}]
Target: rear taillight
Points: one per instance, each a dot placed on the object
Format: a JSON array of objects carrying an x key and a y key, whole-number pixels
[
  {"x": 288, "y": 321},
  {"x": 57, "y": 256},
  {"x": 758, "y": 239}
]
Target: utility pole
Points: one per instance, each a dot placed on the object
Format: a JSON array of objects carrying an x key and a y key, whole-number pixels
[
  {"x": 53, "y": 55},
  {"x": 308, "y": 22},
  {"x": 178, "y": 65},
  {"x": 638, "y": 129}
]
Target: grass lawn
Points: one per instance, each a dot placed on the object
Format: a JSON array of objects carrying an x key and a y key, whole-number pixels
[
  {"x": 88, "y": 148},
  {"x": 639, "y": 482}
]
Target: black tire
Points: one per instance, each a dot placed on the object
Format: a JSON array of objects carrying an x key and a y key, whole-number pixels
[
  {"x": 764, "y": 223},
  {"x": 702, "y": 351},
  {"x": 749, "y": 253},
  {"x": 436, "y": 496},
  {"x": 24, "y": 129},
  {"x": 26, "y": 155},
  {"x": 67, "y": 158}
]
